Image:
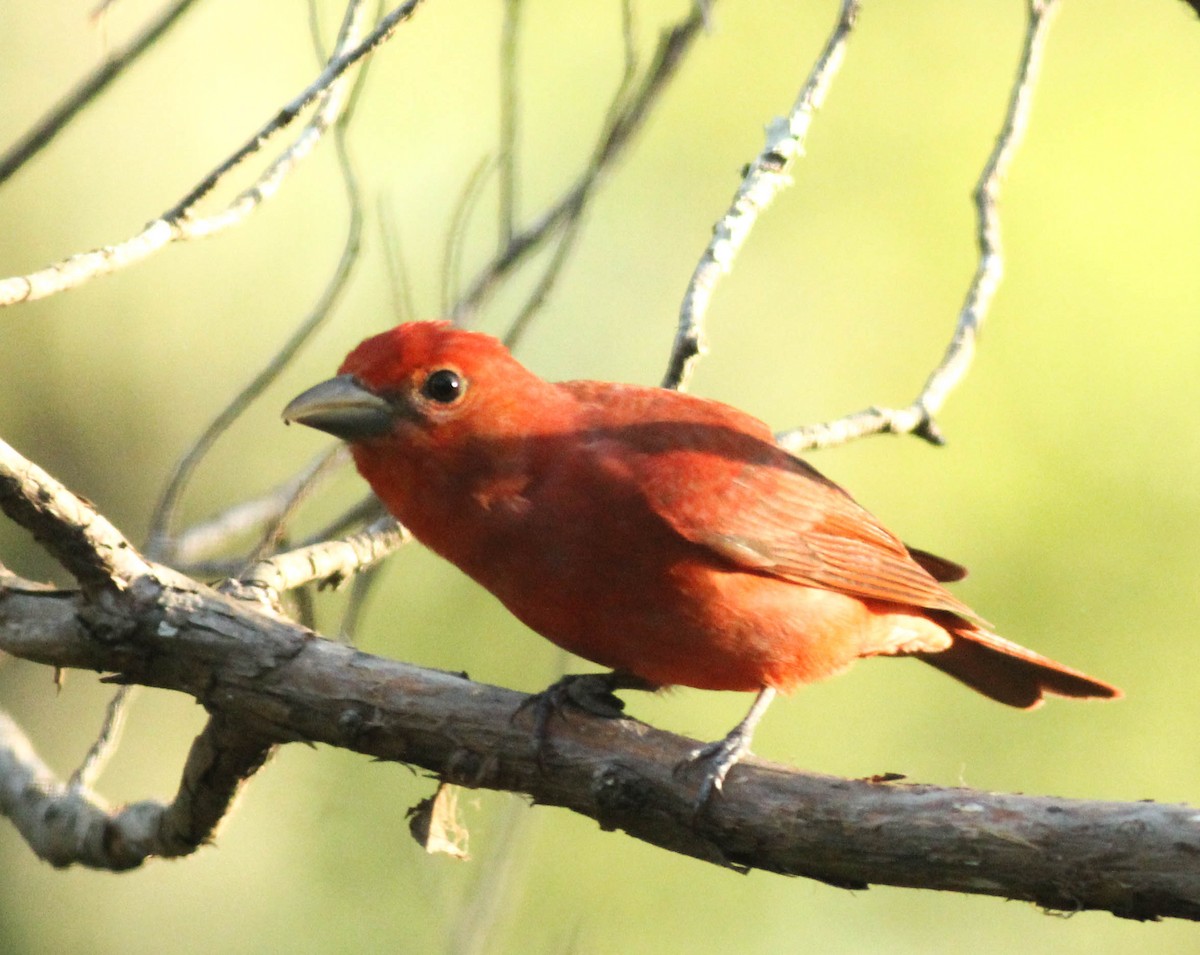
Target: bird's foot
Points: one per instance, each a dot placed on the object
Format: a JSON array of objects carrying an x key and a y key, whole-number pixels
[
  {"x": 594, "y": 693},
  {"x": 720, "y": 757},
  {"x": 716, "y": 759}
]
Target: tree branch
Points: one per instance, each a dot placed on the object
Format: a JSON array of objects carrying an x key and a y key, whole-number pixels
[
  {"x": 189, "y": 549},
  {"x": 178, "y": 223},
  {"x": 764, "y": 179},
  {"x": 619, "y": 131},
  {"x": 68, "y": 825},
  {"x": 50, "y": 125},
  {"x": 70, "y": 528},
  {"x": 918, "y": 417},
  {"x": 274, "y": 680},
  {"x": 328, "y": 562},
  {"x": 161, "y": 534}
]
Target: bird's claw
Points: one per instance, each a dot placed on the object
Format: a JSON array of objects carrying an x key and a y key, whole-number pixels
[
  {"x": 591, "y": 692},
  {"x": 720, "y": 757},
  {"x": 717, "y": 759}
]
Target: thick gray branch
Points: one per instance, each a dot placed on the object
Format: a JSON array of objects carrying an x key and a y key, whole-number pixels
[
  {"x": 70, "y": 528},
  {"x": 275, "y": 680},
  {"x": 68, "y": 824}
]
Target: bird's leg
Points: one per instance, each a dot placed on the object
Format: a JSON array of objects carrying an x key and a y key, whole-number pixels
[
  {"x": 591, "y": 692},
  {"x": 721, "y": 756}
]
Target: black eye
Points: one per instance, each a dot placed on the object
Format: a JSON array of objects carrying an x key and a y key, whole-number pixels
[{"x": 444, "y": 386}]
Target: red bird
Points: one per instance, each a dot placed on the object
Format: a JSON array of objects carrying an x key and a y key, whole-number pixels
[{"x": 662, "y": 535}]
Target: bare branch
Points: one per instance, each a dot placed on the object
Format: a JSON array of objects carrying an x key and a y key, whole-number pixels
[
  {"x": 203, "y": 539},
  {"x": 506, "y": 158},
  {"x": 91, "y": 87},
  {"x": 273, "y": 680},
  {"x": 329, "y": 562},
  {"x": 330, "y": 102},
  {"x": 178, "y": 223},
  {"x": 399, "y": 285},
  {"x": 70, "y": 528},
  {"x": 68, "y": 825},
  {"x": 672, "y": 47},
  {"x": 571, "y": 229},
  {"x": 919, "y": 417},
  {"x": 456, "y": 232},
  {"x": 368, "y": 509},
  {"x": 159, "y": 538},
  {"x": 106, "y": 742},
  {"x": 765, "y": 178},
  {"x": 361, "y": 586}
]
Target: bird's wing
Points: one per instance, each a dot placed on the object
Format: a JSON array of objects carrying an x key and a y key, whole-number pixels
[
  {"x": 716, "y": 476},
  {"x": 784, "y": 518}
]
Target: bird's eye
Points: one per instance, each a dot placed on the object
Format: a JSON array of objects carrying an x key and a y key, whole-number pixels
[{"x": 444, "y": 386}]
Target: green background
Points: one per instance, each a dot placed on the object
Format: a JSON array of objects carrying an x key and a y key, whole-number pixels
[{"x": 1069, "y": 484}]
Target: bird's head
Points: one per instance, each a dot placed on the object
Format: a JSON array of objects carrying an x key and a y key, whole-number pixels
[
  {"x": 429, "y": 388},
  {"x": 414, "y": 378},
  {"x": 426, "y": 407}
]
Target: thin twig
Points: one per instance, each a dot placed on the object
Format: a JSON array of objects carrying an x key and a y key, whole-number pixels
[
  {"x": 177, "y": 223},
  {"x": 919, "y": 417},
  {"x": 472, "y": 928},
  {"x": 574, "y": 223},
  {"x": 360, "y": 589},
  {"x": 399, "y": 284},
  {"x": 673, "y": 46},
  {"x": 101, "y": 10},
  {"x": 276, "y": 528},
  {"x": 329, "y": 562},
  {"x": 314, "y": 28},
  {"x": 537, "y": 297},
  {"x": 506, "y": 158},
  {"x": 366, "y": 511},
  {"x": 765, "y": 178},
  {"x": 456, "y": 233},
  {"x": 196, "y": 543},
  {"x": 51, "y": 124},
  {"x": 106, "y": 742},
  {"x": 159, "y": 537}
]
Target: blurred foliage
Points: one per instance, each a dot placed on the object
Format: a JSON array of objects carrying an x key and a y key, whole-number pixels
[{"x": 1068, "y": 484}]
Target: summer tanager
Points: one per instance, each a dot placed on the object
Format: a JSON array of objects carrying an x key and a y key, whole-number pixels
[{"x": 660, "y": 534}]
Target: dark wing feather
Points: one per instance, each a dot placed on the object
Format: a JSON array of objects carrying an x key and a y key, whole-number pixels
[{"x": 941, "y": 569}]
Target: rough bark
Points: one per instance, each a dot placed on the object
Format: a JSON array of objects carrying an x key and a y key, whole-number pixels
[{"x": 276, "y": 681}]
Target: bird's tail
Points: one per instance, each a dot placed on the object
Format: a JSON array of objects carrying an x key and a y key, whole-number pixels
[{"x": 1008, "y": 672}]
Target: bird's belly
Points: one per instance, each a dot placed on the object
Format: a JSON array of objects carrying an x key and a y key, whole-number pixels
[{"x": 694, "y": 624}]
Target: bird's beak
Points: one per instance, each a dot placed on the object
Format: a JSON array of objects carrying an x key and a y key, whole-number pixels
[{"x": 342, "y": 407}]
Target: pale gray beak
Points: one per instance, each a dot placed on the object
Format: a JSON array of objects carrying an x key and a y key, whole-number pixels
[{"x": 342, "y": 407}]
